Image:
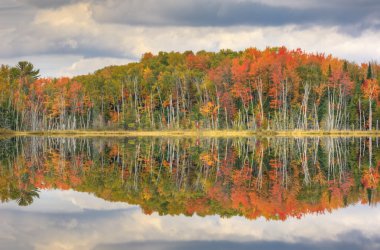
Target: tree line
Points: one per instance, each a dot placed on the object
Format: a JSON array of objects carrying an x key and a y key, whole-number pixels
[{"x": 271, "y": 89}]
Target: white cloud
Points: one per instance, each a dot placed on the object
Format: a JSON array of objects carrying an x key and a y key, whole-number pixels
[
  {"x": 72, "y": 220},
  {"x": 89, "y": 65},
  {"x": 77, "y": 16},
  {"x": 68, "y": 201},
  {"x": 68, "y": 40}
]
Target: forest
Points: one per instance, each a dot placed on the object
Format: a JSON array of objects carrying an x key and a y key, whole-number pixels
[
  {"x": 275, "y": 178},
  {"x": 271, "y": 89}
]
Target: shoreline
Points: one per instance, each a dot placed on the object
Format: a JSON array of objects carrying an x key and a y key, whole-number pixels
[{"x": 196, "y": 133}]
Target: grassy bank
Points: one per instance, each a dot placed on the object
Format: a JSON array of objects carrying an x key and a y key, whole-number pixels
[
  {"x": 338, "y": 133},
  {"x": 5, "y": 133},
  {"x": 198, "y": 133},
  {"x": 142, "y": 133}
]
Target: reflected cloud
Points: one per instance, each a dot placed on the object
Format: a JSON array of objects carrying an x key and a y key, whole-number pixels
[
  {"x": 66, "y": 201},
  {"x": 190, "y": 193},
  {"x": 131, "y": 229}
]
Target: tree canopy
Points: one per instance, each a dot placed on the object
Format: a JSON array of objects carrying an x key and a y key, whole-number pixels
[{"x": 274, "y": 88}]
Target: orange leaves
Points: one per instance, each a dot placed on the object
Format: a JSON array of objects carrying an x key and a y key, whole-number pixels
[
  {"x": 74, "y": 89},
  {"x": 55, "y": 96},
  {"x": 274, "y": 163},
  {"x": 166, "y": 164},
  {"x": 200, "y": 178},
  {"x": 208, "y": 109},
  {"x": 39, "y": 86},
  {"x": 240, "y": 70},
  {"x": 240, "y": 199},
  {"x": 277, "y": 74},
  {"x": 165, "y": 103},
  {"x": 371, "y": 88},
  {"x": 147, "y": 56},
  {"x": 275, "y": 102},
  {"x": 197, "y": 61},
  {"x": 370, "y": 178},
  {"x": 240, "y": 76},
  {"x": 114, "y": 116},
  {"x": 62, "y": 82},
  {"x": 199, "y": 206},
  {"x": 319, "y": 90},
  {"x": 208, "y": 159}
]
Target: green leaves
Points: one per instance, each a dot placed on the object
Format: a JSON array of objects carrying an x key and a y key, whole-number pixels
[{"x": 26, "y": 70}]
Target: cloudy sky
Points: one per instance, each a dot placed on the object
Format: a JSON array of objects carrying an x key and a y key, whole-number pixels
[
  {"x": 73, "y": 220},
  {"x": 69, "y": 37}
]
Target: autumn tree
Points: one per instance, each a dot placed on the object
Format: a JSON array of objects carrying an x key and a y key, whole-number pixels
[{"x": 370, "y": 90}]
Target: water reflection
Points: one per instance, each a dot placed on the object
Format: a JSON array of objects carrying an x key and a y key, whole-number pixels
[
  {"x": 76, "y": 220},
  {"x": 274, "y": 178}
]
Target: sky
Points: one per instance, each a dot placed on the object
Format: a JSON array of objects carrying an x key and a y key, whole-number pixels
[
  {"x": 73, "y": 220},
  {"x": 69, "y": 37}
]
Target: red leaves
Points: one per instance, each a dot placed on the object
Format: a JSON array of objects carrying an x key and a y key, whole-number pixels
[
  {"x": 370, "y": 178},
  {"x": 227, "y": 103},
  {"x": 240, "y": 70},
  {"x": 242, "y": 91},
  {"x": 341, "y": 79},
  {"x": 275, "y": 89},
  {"x": 221, "y": 75},
  {"x": 199, "y": 62}
]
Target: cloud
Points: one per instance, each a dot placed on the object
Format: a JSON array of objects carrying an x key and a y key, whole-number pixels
[
  {"x": 75, "y": 33},
  {"x": 72, "y": 220},
  {"x": 89, "y": 65},
  {"x": 223, "y": 13},
  {"x": 47, "y": 3},
  {"x": 66, "y": 202},
  {"x": 227, "y": 245}
]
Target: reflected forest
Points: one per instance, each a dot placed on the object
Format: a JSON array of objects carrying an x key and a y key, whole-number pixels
[{"x": 275, "y": 178}]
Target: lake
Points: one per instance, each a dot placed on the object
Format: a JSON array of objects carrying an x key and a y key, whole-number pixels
[{"x": 189, "y": 193}]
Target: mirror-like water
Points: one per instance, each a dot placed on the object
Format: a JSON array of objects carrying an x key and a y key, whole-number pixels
[{"x": 189, "y": 193}]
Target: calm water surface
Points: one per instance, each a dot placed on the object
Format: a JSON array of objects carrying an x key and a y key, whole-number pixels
[{"x": 188, "y": 193}]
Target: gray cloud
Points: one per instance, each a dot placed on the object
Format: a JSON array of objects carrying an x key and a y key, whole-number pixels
[
  {"x": 122, "y": 30},
  {"x": 47, "y": 3},
  {"x": 370, "y": 244},
  {"x": 229, "y": 13},
  {"x": 14, "y": 14}
]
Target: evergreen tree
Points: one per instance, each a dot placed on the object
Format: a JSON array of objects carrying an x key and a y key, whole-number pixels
[{"x": 369, "y": 71}]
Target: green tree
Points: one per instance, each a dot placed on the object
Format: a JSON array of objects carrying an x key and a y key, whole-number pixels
[{"x": 25, "y": 72}]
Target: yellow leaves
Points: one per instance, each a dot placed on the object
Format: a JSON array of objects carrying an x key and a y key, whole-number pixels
[
  {"x": 320, "y": 178},
  {"x": 209, "y": 109},
  {"x": 146, "y": 194},
  {"x": 208, "y": 159},
  {"x": 148, "y": 75}
]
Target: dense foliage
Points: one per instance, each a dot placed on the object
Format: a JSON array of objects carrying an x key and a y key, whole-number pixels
[
  {"x": 273, "y": 178},
  {"x": 275, "y": 89}
]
